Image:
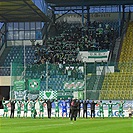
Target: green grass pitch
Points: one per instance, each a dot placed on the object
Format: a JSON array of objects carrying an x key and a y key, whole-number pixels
[{"x": 28, "y": 125}]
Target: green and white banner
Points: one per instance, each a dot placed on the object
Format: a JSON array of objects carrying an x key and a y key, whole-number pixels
[
  {"x": 74, "y": 85},
  {"x": 78, "y": 95},
  {"x": 20, "y": 95},
  {"x": 48, "y": 94},
  {"x": 34, "y": 84},
  {"x": 19, "y": 85},
  {"x": 64, "y": 94},
  {"x": 92, "y": 56}
]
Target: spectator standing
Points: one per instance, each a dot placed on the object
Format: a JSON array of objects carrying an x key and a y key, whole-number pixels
[{"x": 69, "y": 72}]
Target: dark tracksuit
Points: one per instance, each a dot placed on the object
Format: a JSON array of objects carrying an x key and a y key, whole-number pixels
[
  {"x": 49, "y": 106},
  {"x": 12, "y": 108},
  {"x": 78, "y": 108},
  {"x": 85, "y": 103},
  {"x": 74, "y": 110},
  {"x": 70, "y": 109},
  {"x": 92, "y": 104}
]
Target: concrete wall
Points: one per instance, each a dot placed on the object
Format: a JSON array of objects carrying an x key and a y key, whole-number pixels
[
  {"x": 5, "y": 80},
  {"x": 22, "y": 42},
  {"x": 93, "y": 16}
]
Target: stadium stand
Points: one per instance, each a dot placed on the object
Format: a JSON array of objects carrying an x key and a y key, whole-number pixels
[
  {"x": 121, "y": 82},
  {"x": 60, "y": 51},
  {"x": 55, "y": 62}
]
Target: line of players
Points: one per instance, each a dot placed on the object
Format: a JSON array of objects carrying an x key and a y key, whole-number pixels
[{"x": 64, "y": 105}]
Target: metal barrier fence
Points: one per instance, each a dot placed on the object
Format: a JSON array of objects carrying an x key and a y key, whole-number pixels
[{"x": 80, "y": 80}]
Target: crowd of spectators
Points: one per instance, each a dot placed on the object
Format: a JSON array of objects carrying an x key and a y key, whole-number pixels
[{"x": 72, "y": 38}]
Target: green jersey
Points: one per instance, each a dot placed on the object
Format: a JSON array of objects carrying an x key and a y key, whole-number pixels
[
  {"x": 121, "y": 106},
  {"x": 32, "y": 105},
  {"x": 41, "y": 103},
  {"x": 5, "y": 105},
  {"x": 25, "y": 106},
  {"x": 19, "y": 106},
  {"x": 110, "y": 105},
  {"x": 101, "y": 106},
  {"x": 56, "y": 106}
]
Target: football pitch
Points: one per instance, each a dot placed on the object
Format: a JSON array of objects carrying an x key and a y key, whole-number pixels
[{"x": 97, "y": 125}]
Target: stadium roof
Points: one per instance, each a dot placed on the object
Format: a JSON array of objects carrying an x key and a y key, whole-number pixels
[
  {"x": 88, "y": 2},
  {"x": 20, "y": 11}
]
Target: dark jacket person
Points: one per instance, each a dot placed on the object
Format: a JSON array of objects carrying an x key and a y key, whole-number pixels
[
  {"x": 12, "y": 103},
  {"x": 85, "y": 103},
  {"x": 49, "y": 106},
  {"x": 74, "y": 106},
  {"x": 92, "y": 106}
]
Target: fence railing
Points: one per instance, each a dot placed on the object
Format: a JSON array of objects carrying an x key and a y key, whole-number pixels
[{"x": 99, "y": 81}]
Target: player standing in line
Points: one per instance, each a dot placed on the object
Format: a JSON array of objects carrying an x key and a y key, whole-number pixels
[
  {"x": 70, "y": 108},
  {"x": 64, "y": 108},
  {"x": 19, "y": 104},
  {"x": 92, "y": 107},
  {"x": 78, "y": 107},
  {"x": 74, "y": 105},
  {"x": 110, "y": 105},
  {"x": 32, "y": 105},
  {"x": 101, "y": 108},
  {"x": 25, "y": 108},
  {"x": 12, "y": 103},
  {"x": 41, "y": 104},
  {"x": 120, "y": 112},
  {"x": 49, "y": 107},
  {"x": 56, "y": 108},
  {"x": 5, "y": 107},
  {"x": 130, "y": 112},
  {"x": 85, "y": 104}
]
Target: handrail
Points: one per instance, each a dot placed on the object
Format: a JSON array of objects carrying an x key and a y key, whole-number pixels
[
  {"x": 2, "y": 36},
  {"x": 3, "y": 67},
  {"x": 122, "y": 37}
]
